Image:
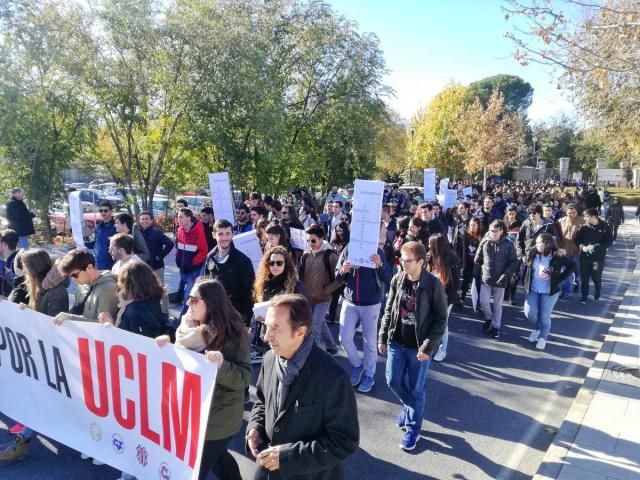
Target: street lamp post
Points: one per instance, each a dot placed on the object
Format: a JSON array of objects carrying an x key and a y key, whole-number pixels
[
  {"x": 535, "y": 157},
  {"x": 413, "y": 132}
]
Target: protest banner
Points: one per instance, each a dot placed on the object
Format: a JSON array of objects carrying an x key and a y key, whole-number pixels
[
  {"x": 248, "y": 244},
  {"x": 365, "y": 224},
  {"x": 298, "y": 238},
  {"x": 429, "y": 184},
  {"x": 76, "y": 218},
  {"x": 221, "y": 197},
  {"x": 111, "y": 394},
  {"x": 467, "y": 191}
]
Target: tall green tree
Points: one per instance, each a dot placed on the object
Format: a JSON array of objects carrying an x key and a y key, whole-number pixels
[{"x": 517, "y": 93}]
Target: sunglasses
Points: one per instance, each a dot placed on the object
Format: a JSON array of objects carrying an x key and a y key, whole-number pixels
[
  {"x": 75, "y": 275},
  {"x": 312, "y": 241},
  {"x": 193, "y": 300},
  {"x": 276, "y": 263},
  {"x": 104, "y": 210}
]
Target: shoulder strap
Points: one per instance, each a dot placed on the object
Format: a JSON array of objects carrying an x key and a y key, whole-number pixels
[{"x": 327, "y": 264}]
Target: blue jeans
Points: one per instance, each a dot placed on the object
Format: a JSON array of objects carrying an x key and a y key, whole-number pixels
[
  {"x": 23, "y": 242},
  {"x": 406, "y": 377},
  {"x": 566, "y": 284},
  {"x": 538, "y": 308},
  {"x": 189, "y": 279},
  {"x": 319, "y": 328}
]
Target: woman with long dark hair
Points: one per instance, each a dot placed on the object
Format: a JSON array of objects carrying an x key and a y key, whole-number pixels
[
  {"x": 340, "y": 237},
  {"x": 46, "y": 287},
  {"x": 445, "y": 265},
  {"x": 275, "y": 236},
  {"x": 468, "y": 247},
  {"x": 547, "y": 268},
  {"x": 212, "y": 325}
]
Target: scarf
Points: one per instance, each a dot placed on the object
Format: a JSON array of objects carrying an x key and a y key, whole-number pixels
[{"x": 288, "y": 370}]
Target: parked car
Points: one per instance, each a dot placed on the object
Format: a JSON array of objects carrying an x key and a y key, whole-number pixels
[
  {"x": 61, "y": 221},
  {"x": 195, "y": 202}
]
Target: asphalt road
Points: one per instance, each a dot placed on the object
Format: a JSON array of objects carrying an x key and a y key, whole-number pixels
[{"x": 493, "y": 406}]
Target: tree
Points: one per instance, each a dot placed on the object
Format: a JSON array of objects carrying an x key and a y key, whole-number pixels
[
  {"x": 435, "y": 141},
  {"x": 491, "y": 138},
  {"x": 45, "y": 115},
  {"x": 390, "y": 146},
  {"x": 517, "y": 93},
  {"x": 555, "y": 139}
]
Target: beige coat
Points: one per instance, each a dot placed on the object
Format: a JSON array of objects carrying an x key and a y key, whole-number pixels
[
  {"x": 569, "y": 230},
  {"x": 315, "y": 277}
]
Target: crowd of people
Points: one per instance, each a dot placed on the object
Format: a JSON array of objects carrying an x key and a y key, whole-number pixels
[{"x": 549, "y": 239}]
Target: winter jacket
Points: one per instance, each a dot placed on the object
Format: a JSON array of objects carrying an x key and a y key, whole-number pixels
[
  {"x": 487, "y": 217},
  {"x": 140, "y": 247},
  {"x": 159, "y": 246},
  {"x": 496, "y": 261},
  {"x": 19, "y": 217},
  {"x": 54, "y": 298},
  {"x": 529, "y": 232},
  {"x": 19, "y": 294},
  {"x": 615, "y": 215},
  {"x": 560, "y": 268},
  {"x": 102, "y": 297},
  {"x": 316, "y": 273},
  {"x": 431, "y": 311},
  {"x": 568, "y": 231},
  {"x": 191, "y": 247},
  {"x": 275, "y": 286},
  {"x": 235, "y": 272},
  {"x": 317, "y": 426},
  {"x": 100, "y": 245},
  {"x": 238, "y": 229},
  {"x": 363, "y": 286},
  {"x": 233, "y": 378},
  {"x": 143, "y": 317},
  {"x": 8, "y": 277},
  {"x": 598, "y": 235}
]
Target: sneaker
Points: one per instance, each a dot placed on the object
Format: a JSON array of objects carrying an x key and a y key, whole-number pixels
[
  {"x": 402, "y": 419},
  {"x": 534, "y": 336},
  {"x": 541, "y": 344},
  {"x": 366, "y": 384},
  {"x": 84, "y": 456},
  {"x": 356, "y": 375},
  {"x": 16, "y": 429},
  {"x": 96, "y": 462},
  {"x": 596, "y": 297},
  {"x": 16, "y": 450},
  {"x": 486, "y": 326},
  {"x": 332, "y": 350},
  {"x": 440, "y": 355},
  {"x": 583, "y": 301},
  {"x": 494, "y": 332},
  {"x": 409, "y": 440},
  {"x": 256, "y": 357}
]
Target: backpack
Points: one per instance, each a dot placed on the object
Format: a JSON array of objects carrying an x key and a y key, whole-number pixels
[{"x": 326, "y": 255}]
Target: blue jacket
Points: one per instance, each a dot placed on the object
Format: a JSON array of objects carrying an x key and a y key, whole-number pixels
[
  {"x": 363, "y": 285},
  {"x": 100, "y": 245},
  {"x": 159, "y": 245}
]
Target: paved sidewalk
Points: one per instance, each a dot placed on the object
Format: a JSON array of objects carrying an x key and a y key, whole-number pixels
[{"x": 600, "y": 437}]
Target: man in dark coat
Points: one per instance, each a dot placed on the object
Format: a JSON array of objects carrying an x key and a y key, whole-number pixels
[
  {"x": 19, "y": 217},
  {"x": 305, "y": 421}
]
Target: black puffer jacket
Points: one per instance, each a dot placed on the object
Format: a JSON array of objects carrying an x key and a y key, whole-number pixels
[
  {"x": 496, "y": 261},
  {"x": 599, "y": 236},
  {"x": 561, "y": 267},
  {"x": 19, "y": 217}
]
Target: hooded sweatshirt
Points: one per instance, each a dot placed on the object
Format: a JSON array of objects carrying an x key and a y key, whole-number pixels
[{"x": 102, "y": 297}]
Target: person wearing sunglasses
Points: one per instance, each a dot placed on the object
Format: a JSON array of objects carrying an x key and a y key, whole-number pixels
[
  {"x": 104, "y": 230},
  {"x": 276, "y": 275}
]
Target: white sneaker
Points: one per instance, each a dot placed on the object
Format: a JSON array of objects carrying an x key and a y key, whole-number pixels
[
  {"x": 534, "y": 336},
  {"x": 84, "y": 456},
  {"x": 97, "y": 463},
  {"x": 440, "y": 356},
  {"x": 541, "y": 344}
]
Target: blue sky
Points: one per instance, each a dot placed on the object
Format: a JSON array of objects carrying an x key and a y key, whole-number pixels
[{"x": 428, "y": 43}]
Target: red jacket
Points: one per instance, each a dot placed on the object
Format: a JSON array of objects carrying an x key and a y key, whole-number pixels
[{"x": 191, "y": 247}]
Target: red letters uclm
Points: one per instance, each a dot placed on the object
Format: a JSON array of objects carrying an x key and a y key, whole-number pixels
[{"x": 180, "y": 419}]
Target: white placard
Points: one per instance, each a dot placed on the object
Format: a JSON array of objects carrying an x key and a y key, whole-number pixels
[
  {"x": 298, "y": 238},
  {"x": 76, "y": 218},
  {"x": 248, "y": 244},
  {"x": 260, "y": 309},
  {"x": 221, "y": 198},
  {"x": 467, "y": 191},
  {"x": 365, "y": 225},
  {"x": 429, "y": 184},
  {"x": 113, "y": 395},
  {"x": 450, "y": 198},
  {"x": 444, "y": 186}
]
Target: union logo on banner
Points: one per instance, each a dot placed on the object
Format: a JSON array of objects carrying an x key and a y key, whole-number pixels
[
  {"x": 118, "y": 443},
  {"x": 164, "y": 471},
  {"x": 142, "y": 455}
]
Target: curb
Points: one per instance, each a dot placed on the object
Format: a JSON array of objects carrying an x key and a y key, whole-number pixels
[{"x": 553, "y": 461}]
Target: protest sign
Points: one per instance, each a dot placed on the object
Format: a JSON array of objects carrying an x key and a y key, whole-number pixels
[
  {"x": 298, "y": 238},
  {"x": 221, "y": 198},
  {"x": 365, "y": 224},
  {"x": 76, "y": 218},
  {"x": 449, "y": 199},
  {"x": 429, "y": 184},
  {"x": 467, "y": 191},
  {"x": 260, "y": 309},
  {"x": 248, "y": 244},
  {"x": 111, "y": 394},
  {"x": 444, "y": 186}
]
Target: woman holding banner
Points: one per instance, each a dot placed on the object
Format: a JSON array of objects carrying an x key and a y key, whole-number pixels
[{"x": 211, "y": 325}]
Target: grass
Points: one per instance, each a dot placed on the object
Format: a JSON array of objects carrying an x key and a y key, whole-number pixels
[{"x": 628, "y": 196}]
